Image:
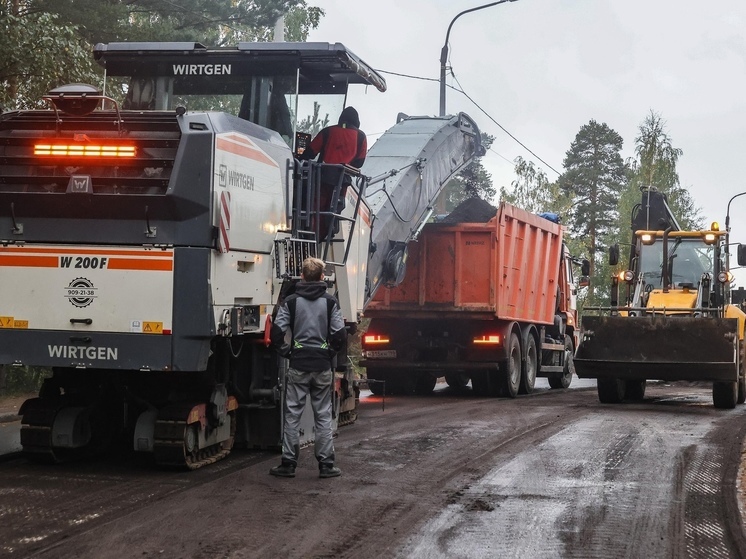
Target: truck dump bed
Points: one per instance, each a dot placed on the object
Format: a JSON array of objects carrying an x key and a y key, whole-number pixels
[{"x": 505, "y": 268}]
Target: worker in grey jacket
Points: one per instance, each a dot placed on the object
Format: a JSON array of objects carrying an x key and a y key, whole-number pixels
[{"x": 318, "y": 332}]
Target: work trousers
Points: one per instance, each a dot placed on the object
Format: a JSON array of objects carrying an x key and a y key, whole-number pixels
[{"x": 298, "y": 385}]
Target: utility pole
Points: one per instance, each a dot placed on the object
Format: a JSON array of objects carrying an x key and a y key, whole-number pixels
[{"x": 444, "y": 52}]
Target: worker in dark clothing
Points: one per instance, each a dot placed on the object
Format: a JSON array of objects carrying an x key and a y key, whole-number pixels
[
  {"x": 318, "y": 332},
  {"x": 341, "y": 144}
]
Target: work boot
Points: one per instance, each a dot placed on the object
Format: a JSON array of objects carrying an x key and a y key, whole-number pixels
[
  {"x": 329, "y": 470},
  {"x": 286, "y": 469}
]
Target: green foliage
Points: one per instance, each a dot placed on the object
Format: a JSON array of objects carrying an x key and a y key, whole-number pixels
[
  {"x": 213, "y": 22},
  {"x": 313, "y": 123},
  {"x": 532, "y": 191},
  {"x": 595, "y": 176},
  {"x": 472, "y": 182},
  {"x": 22, "y": 380},
  {"x": 38, "y": 53},
  {"x": 655, "y": 165}
]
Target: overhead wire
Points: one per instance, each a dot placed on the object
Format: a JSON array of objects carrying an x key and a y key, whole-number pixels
[{"x": 461, "y": 90}]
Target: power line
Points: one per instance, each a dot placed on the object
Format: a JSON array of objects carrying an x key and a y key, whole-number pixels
[
  {"x": 498, "y": 124},
  {"x": 524, "y": 146}
]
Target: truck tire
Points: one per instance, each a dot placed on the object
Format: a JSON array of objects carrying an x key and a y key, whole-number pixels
[
  {"x": 529, "y": 367},
  {"x": 611, "y": 390},
  {"x": 457, "y": 381},
  {"x": 510, "y": 370},
  {"x": 635, "y": 390},
  {"x": 725, "y": 395},
  {"x": 563, "y": 379},
  {"x": 425, "y": 384}
]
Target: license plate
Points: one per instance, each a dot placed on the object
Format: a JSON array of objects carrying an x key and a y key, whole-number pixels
[{"x": 381, "y": 354}]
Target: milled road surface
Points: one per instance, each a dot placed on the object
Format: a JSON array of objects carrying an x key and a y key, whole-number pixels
[{"x": 553, "y": 474}]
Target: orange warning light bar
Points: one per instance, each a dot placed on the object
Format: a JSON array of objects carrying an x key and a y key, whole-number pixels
[
  {"x": 489, "y": 339},
  {"x": 84, "y": 150},
  {"x": 370, "y": 339}
]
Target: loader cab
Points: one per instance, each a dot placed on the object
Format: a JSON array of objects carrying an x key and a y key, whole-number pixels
[
  {"x": 679, "y": 260},
  {"x": 688, "y": 260},
  {"x": 294, "y": 89}
]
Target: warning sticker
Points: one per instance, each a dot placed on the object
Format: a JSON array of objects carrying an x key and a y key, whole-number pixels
[
  {"x": 11, "y": 322},
  {"x": 152, "y": 327}
]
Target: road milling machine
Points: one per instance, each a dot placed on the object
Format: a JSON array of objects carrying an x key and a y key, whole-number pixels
[
  {"x": 669, "y": 317},
  {"x": 149, "y": 230}
]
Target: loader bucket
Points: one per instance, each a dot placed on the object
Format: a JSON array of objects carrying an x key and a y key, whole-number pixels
[{"x": 658, "y": 347}]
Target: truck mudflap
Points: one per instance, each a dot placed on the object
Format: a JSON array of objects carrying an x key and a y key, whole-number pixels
[{"x": 658, "y": 347}]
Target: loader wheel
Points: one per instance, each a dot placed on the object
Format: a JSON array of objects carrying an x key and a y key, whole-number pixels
[
  {"x": 530, "y": 364},
  {"x": 425, "y": 384},
  {"x": 611, "y": 390},
  {"x": 741, "y": 390},
  {"x": 510, "y": 370},
  {"x": 635, "y": 390},
  {"x": 725, "y": 395},
  {"x": 563, "y": 379}
]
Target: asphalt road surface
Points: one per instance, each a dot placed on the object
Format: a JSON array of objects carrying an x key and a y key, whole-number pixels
[{"x": 552, "y": 474}]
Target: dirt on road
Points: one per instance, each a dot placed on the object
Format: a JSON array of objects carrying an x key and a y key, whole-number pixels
[{"x": 553, "y": 474}]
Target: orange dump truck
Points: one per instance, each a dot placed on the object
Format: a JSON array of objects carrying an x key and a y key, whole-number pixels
[{"x": 491, "y": 302}]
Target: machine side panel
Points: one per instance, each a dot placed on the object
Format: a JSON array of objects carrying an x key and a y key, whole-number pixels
[
  {"x": 529, "y": 250},
  {"x": 192, "y": 312},
  {"x": 86, "y": 288},
  {"x": 351, "y": 278}
]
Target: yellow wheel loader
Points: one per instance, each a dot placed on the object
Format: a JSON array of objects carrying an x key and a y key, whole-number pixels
[{"x": 668, "y": 317}]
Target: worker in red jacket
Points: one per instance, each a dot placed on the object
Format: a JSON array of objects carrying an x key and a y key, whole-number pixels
[{"x": 341, "y": 144}]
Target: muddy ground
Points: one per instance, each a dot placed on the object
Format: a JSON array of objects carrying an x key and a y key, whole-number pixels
[{"x": 552, "y": 474}]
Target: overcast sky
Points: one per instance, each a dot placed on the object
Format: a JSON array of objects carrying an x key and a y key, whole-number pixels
[{"x": 544, "y": 68}]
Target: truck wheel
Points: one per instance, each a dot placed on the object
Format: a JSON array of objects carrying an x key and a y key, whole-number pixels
[
  {"x": 611, "y": 390},
  {"x": 635, "y": 389},
  {"x": 457, "y": 381},
  {"x": 425, "y": 384},
  {"x": 530, "y": 364},
  {"x": 510, "y": 370},
  {"x": 563, "y": 379},
  {"x": 725, "y": 395}
]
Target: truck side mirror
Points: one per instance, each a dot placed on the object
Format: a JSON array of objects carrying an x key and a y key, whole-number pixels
[
  {"x": 614, "y": 255},
  {"x": 741, "y": 255},
  {"x": 585, "y": 268}
]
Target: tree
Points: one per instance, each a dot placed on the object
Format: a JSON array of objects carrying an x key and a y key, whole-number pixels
[
  {"x": 214, "y": 22},
  {"x": 472, "y": 182},
  {"x": 532, "y": 191},
  {"x": 38, "y": 52},
  {"x": 595, "y": 175},
  {"x": 655, "y": 165}
]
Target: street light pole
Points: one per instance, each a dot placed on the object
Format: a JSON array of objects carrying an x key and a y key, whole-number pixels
[
  {"x": 727, "y": 230},
  {"x": 444, "y": 52}
]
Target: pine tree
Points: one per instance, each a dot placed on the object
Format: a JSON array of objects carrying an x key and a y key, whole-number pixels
[{"x": 595, "y": 175}]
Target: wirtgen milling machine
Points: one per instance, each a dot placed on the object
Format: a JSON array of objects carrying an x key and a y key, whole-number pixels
[
  {"x": 149, "y": 233},
  {"x": 669, "y": 317}
]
